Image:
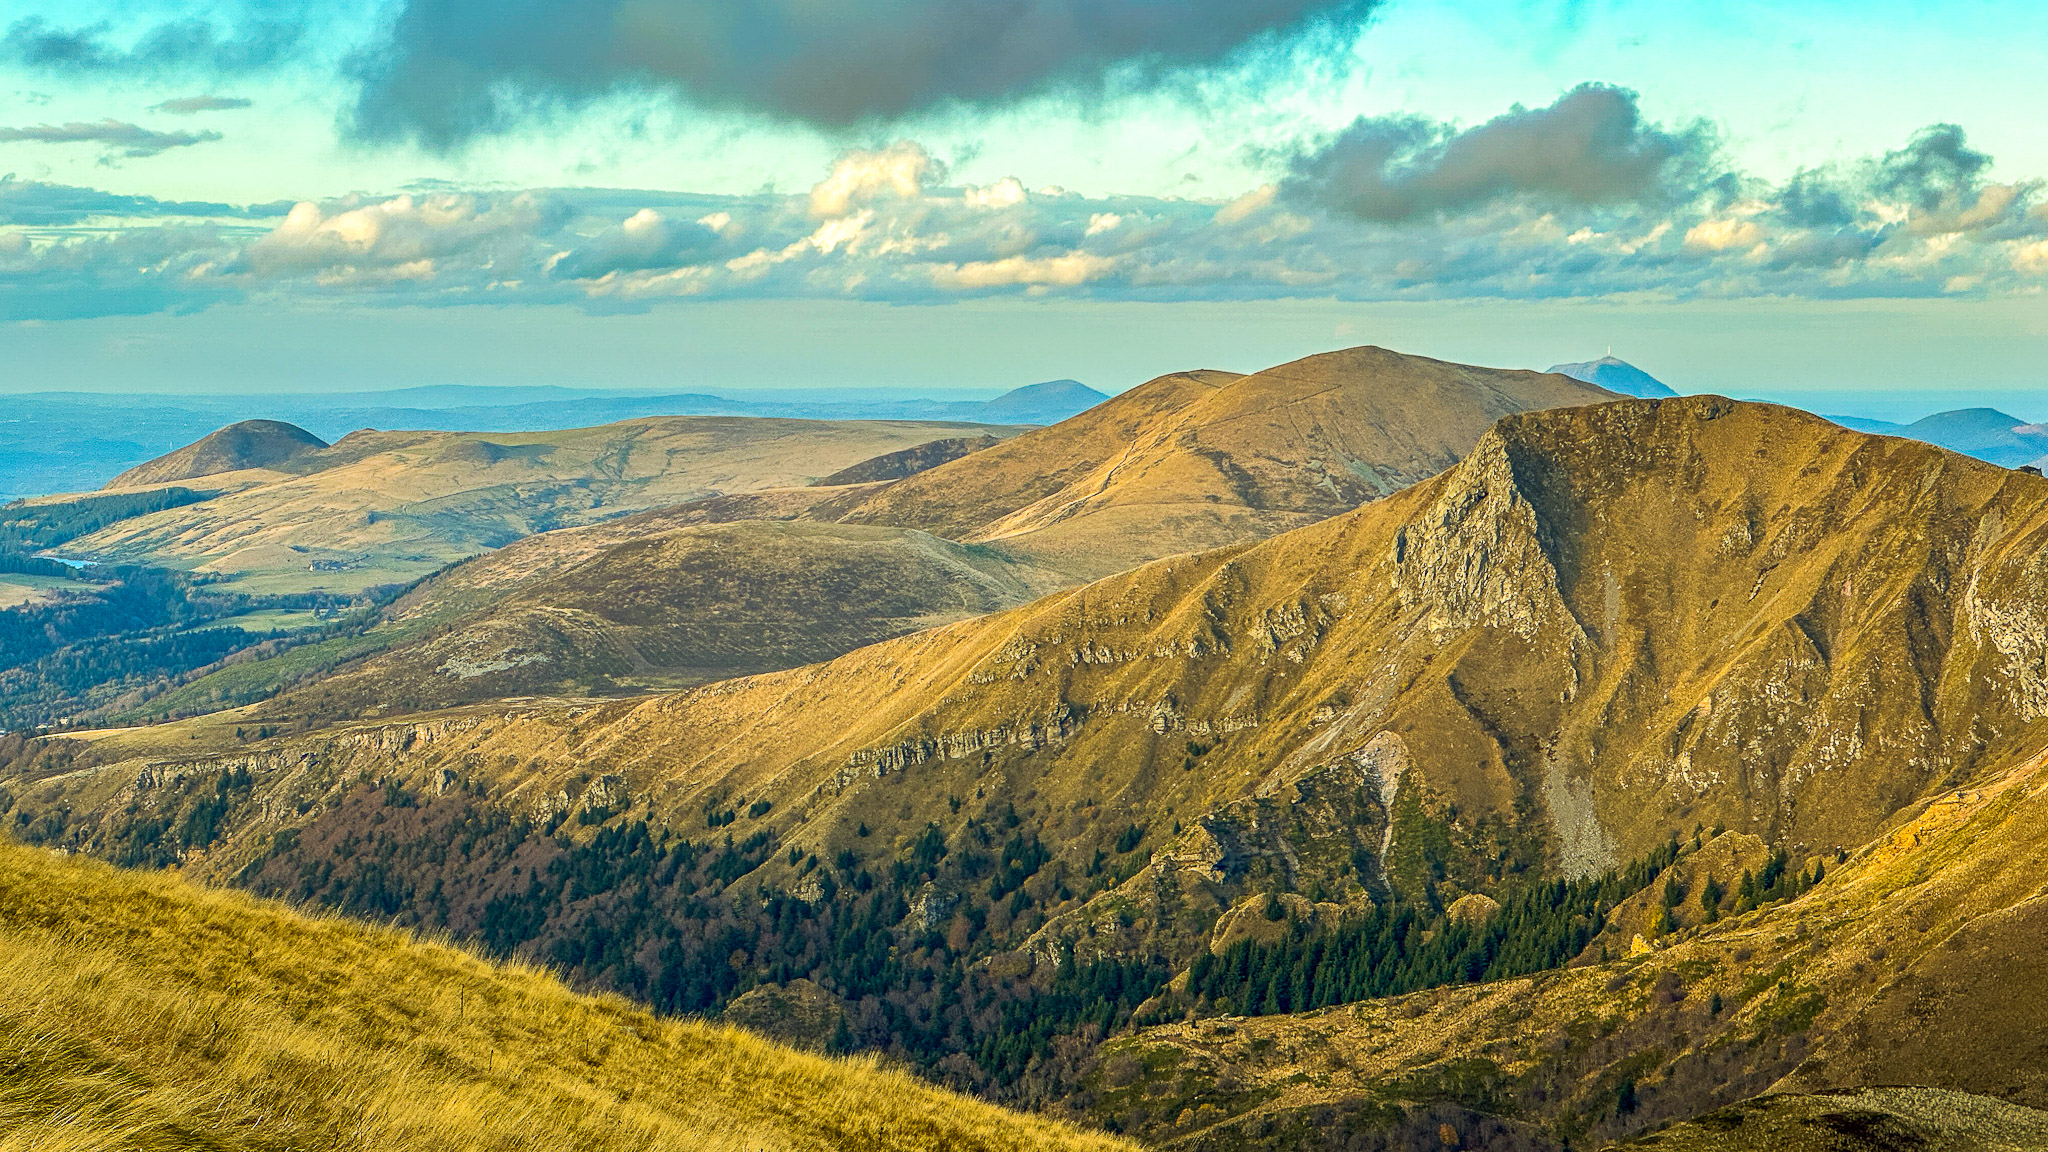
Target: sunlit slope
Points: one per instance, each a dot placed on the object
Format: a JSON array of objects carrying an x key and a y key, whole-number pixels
[
  {"x": 1203, "y": 459},
  {"x": 137, "y": 1011},
  {"x": 1921, "y": 959},
  {"x": 238, "y": 447},
  {"x": 383, "y": 507}
]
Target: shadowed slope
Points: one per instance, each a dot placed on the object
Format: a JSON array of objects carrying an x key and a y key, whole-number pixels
[
  {"x": 141, "y": 1012},
  {"x": 685, "y": 606},
  {"x": 1858, "y": 1120}
]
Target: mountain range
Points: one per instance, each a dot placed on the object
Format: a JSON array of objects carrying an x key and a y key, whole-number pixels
[
  {"x": 1369, "y": 752},
  {"x": 74, "y": 441}
]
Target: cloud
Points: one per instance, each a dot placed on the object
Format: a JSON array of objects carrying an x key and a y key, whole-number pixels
[
  {"x": 403, "y": 238},
  {"x": 453, "y": 69},
  {"x": 186, "y": 45},
  {"x": 120, "y": 137},
  {"x": 1590, "y": 147},
  {"x": 860, "y": 177},
  {"x": 884, "y": 224},
  {"x": 645, "y": 240},
  {"x": 36, "y": 204},
  {"x": 192, "y": 105}
]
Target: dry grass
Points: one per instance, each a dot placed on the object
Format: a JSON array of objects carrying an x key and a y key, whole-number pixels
[{"x": 140, "y": 1012}]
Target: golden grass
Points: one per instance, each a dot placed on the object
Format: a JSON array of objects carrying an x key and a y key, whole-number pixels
[{"x": 140, "y": 1012}]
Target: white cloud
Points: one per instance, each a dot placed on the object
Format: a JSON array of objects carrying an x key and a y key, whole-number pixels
[
  {"x": 1067, "y": 271},
  {"x": 1723, "y": 235},
  {"x": 862, "y": 177}
]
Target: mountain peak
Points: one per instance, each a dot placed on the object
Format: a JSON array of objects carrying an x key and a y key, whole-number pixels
[
  {"x": 1616, "y": 375},
  {"x": 245, "y": 445}
]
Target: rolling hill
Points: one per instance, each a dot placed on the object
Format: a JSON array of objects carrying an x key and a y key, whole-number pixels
[
  {"x": 681, "y": 607},
  {"x": 389, "y": 507},
  {"x": 143, "y": 1012},
  {"x": 1202, "y": 459},
  {"x": 235, "y": 448}
]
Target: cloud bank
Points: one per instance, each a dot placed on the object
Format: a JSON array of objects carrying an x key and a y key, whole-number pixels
[
  {"x": 1582, "y": 199},
  {"x": 452, "y": 69}
]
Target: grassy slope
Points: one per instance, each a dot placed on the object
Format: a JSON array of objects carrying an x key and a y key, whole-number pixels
[
  {"x": 1204, "y": 459},
  {"x": 140, "y": 1012}
]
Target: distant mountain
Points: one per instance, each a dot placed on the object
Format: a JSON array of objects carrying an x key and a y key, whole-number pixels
[
  {"x": 74, "y": 441},
  {"x": 235, "y": 448},
  {"x": 1617, "y": 376},
  {"x": 1866, "y": 424},
  {"x": 1047, "y": 403},
  {"x": 1986, "y": 433}
]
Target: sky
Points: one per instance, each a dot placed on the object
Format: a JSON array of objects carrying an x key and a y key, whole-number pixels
[{"x": 1828, "y": 202}]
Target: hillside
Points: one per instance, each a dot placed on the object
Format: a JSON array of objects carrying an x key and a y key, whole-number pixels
[
  {"x": 1201, "y": 459},
  {"x": 671, "y": 609},
  {"x": 235, "y": 448},
  {"x": 1918, "y": 960},
  {"x": 141, "y": 1012},
  {"x": 1605, "y": 627},
  {"x": 389, "y": 507}
]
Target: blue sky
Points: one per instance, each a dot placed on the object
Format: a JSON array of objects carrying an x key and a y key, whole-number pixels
[{"x": 1723, "y": 192}]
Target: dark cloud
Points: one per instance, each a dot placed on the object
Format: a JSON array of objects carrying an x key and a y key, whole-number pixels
[
  {"x": 1937, "y": 169},
  {"x": 192, "y": 105},
  {"x": 456, "y": 68},
  {"x": 1939, "y": 182},
  {"x": 120, "y": 137},
  {"x": 171, "y": 47},
  {"x": 1591, "y": 147}
]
